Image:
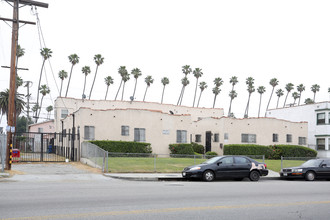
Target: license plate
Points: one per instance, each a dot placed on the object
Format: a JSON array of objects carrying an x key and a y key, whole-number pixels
[
  {"x": 285, "y": 174},
  {"x": 183, "y": 174}
]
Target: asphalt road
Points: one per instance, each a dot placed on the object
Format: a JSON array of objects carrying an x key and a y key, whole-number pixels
[{"x": 93, "y": 196}]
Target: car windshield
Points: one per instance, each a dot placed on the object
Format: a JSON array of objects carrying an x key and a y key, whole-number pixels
[
  {"x": 311, "y": 163},
  {"x": 212, "y": 160}
]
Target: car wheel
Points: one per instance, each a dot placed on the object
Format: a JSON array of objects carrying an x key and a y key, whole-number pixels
[
  {"x": 310, "y": 176},
  {"x": 254, "y": 175},
  {"x": 208, "y": 176}
]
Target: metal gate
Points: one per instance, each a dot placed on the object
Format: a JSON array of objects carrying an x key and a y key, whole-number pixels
[{"x": 45, "y": 147}]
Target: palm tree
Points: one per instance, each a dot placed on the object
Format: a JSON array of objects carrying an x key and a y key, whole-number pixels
[
  {"x": 233, "y": 80},
  {"x": 288, "y": 88},
  {"x": 62, "y": 75},
  {"x": 108, "y": 81},
  {"x": 46, "y": 53},
  {"x": 197, "y": 73},
  {"x": 149, "y": 80},
  {"x": 186, "y": 70},
  {"x": 136, "y": 73},
  {"x": 85, "y": 70},
  {"x": 184, "y": 82},
  {"x": 164, "y": 81},
  {"x": 216, "y": 90},
  {"x": 295, "y": 96},
  {"x": 300, "y": 89},
  {"x": 202, "y": 86},
  {"x": 74, "y": 59},
  {"x": 315, "y": 88},
  {"x": 309, "y": 101},
  {"x": 44, "y": 90},
  {"x": 123, "y": 72},
  {"x": 232, "y": 95},
  {"x": 49, "y": 109},
  {"x": 4, "y": 101},
  {"x": 261, "y": 90},
  {"x": 279, "y": 93},
  {"x": 273, "y": 82},
  {"x": 98, "y": 60},
  {"x": 19, "y": 82},
  {"x": 218, "y": 82},
  {"x": 19, "y": 53},
  {"x": 125, "y": 79},
  {"x": 249, "y": 82}
]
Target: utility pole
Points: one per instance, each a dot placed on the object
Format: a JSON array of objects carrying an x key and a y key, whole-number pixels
[{"x": 12, "y": 81}]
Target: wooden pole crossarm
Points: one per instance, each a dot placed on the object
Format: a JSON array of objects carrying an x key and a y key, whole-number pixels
[
  {"x": 28, "y": 2},
  {"x": 20, "y": 21}
]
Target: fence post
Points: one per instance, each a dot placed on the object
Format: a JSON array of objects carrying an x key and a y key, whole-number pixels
[
  {"x": 103, "y": 164},
  {"x": 281, "y": 162},
  {"x": 194, "y": 159},
  {"x": 107, "y": 163},
  {"x": 263, "y": 158},
  {"x": 155, "y": 169}
]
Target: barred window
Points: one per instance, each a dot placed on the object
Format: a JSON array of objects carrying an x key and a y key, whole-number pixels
[
  {"x": 226, "y": 136},
  {"x": 181, "y": 136},
  {"x": 320, "y": 142},
  {"x": 124, "y": 130},
  {"x": 89, "y": 132},
  {"x": 275, "y": 137},
  {"x": 140, "y": 134},
  {"x": 302, "y": 141},
  {"x": 216, "y": 137},
  {"x": 248, "y": 138},
  {"x": 198, "y": 138},
  {"x": 289, "y": 138}
]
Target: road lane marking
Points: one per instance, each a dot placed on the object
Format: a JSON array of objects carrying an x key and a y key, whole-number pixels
[{"x": 152, "y": 211}]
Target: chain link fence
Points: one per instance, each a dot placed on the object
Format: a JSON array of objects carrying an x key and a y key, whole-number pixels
[
  {"x": 294, "y": 161},
  {"x": 3, "y": 144},
  {"x": 94, "y": 156}
]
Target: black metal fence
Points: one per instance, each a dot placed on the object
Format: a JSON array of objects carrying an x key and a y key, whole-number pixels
[{"x": 45, "y": 147}]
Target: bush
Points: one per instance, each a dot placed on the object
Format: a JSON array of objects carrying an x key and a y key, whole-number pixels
[
  {"x": 211, "y": 153},
  {"x": 247, "y": 149},
  {"x": 197, "y": 148},
  {"x": 295, "y": 151},
  {"x": 181, "y": 149},
  {"x": 123, "y": 146}
]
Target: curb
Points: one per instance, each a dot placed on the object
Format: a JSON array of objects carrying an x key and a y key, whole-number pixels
[{"x": 4, "y": 175}]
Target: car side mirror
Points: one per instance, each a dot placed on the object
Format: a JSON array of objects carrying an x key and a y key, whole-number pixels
[
  {"x": 219, "y": 163},
  {"x": 323, "y": 165}
]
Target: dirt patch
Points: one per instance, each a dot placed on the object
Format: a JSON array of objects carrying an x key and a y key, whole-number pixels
[{"x": 85, "y": 167}]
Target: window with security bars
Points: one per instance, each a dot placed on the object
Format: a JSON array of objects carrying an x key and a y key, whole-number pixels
[
  {"x": 198, "y": 138},
  {"x": 216, "y": 137},
  {"x": 139, "y": 134},
  {"x": 289, "y": 138},
  {"x": 249, "y": 138},
  {"x": 181, "y": 136},
  {"x": 302, "y": 141},
  {"x": 320, "y": 143},
  {"x": 275, "y": 137},
  {"x": 89, "y": 133},
  {"x": 124, "y": 130}
]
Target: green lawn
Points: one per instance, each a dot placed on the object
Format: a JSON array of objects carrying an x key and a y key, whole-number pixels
[{"x": 173, "y": 165}]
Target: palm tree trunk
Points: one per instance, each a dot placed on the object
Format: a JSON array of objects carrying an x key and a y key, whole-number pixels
[
  {"x": 106, "y": 93},
  {"x": 278, "y": 99},
  {"x": 215, "y": 97},
  {"x": 84, "y": 87},
  {"x": 145, "y": 93},
  {"x": 122, "y": 94},
  {"x": 285, "y": 99},
  {"x": 42, "y": 98},
  {"x": 67, "y": 88},
  {"x": 180, "y": 96},
  {"x": 199, "y": 98},
  {"x": 162, "y": 95},
  {"x": 230, "y": 106},
  {"x": 314, "y": 97},
  {"x": 269, "y": 101},
  {"x": 134, "y": 88},
  {"x": 90, "y": 93},
  {"x": 118, "y": 89},
  {"x": 42, "y": 67},
  {"x": 195, "y": 92},
  {"x": 259, "y": 106},
  {"x": 299, "y": 98},
  {"x": 246, "y": 114},
  {"x": 61, "y": 88}
]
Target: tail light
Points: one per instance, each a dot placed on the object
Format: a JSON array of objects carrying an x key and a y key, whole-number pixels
[{"x": 265, "y": 165}]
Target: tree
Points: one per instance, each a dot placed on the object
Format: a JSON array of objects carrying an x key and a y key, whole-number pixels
[
  {"x": 46, "y": 53},
  {"x": 288, "y": 88},
  {"x": 186, "y": 70},
  {"x": 315, "y": 88},
  {"x": 136, "y": 73},
  {"x": 300, "y": 89},
  {"x": 108, "y": 81},
  {"x": 261, "y": 90},
  {"x": 295, "y": 96},
  {"x": 233, "y": 80},
  {"x": 184, "y": 82},
  {"x": 249, "y": 82},
  {"x": 85, "y": 70},
  {"x": 4, "y": 102},
  {"x": 165, "y": 81},
  {"x": 49, "y": 109},
  {"x": 202, "y": 87},
  {"x": 19, "y": 82},
  {"x": 44, "y": 90},
  {"x": 74, "y": 59},
  {"x": 98, "y": 60},
  {"x": 273, "y": 82},
  {"x": 197, "y": 73},
  {"x": 62, "y": 75},
  {"x": 309, "y": 101},
  {"x": 216, "y": 90},
  {"x": 218, "y": 82},
  {"x": 122, "y": 72},
  {"x": 125, "y": 79},
  {"x": 19, "y": 53},
  {"x": 279, "y": 93},
  {"x": 149, "y": 80}
]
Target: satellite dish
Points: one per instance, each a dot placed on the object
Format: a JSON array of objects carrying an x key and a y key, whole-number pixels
[{"x": 131, "y": 98}]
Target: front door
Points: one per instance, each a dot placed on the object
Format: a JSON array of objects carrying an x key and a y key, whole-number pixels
[{"x": 208, "y": 139}]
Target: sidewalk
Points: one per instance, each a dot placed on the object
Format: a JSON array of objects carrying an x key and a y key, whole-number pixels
[{"x": 168, "y": 176}]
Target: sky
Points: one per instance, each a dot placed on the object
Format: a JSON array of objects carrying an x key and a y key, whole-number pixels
[{"x": 263, "y": 39}]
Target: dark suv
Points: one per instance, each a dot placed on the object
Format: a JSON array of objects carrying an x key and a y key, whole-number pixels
[{"x": 236, "y": 167}]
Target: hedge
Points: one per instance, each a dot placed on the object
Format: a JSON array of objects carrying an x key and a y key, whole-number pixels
[
  {"x": 123, "y": 146},
  {"x": 270, "y": 152},
  {"x": 198, "y": 148},
  {"x": 181, "y": 149}
]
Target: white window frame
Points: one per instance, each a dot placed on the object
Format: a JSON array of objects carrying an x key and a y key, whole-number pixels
[
  {"x": 248, "y": 138},
  {"x": 89, "y": 133},
  {"x": 139, "y": 134},
  {"x": 64, "y": 113},
  {"x": 124, "y": 130},
  {"x": 181, "y": 136}
]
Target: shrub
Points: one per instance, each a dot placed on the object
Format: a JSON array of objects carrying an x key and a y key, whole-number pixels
[
  {"x": 211, "y": 153},
  {"x": 181, "y": 149},
  {"x": 295, "y": 151},
  {"x": 123, "y": 146},
  {"x": 198, "y": 148},
  {"x": 247, "y": 149}
]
